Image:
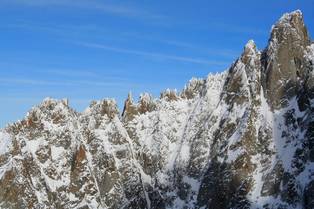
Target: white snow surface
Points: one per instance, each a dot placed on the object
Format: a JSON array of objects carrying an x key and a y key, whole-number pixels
[{"x": 5, "y": 142}]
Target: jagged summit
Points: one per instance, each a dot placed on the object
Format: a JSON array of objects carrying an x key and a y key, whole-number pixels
[
  {"x": 285, "y": 66},
  {"x": 250, "y": 51},
  {"x": 289, "y": 15},
  {"x": 293, "y": 20},
  {"x": 240, "y": 139},
  {"x": 290, "y": 28},
  {"x": 250, "y": 45}
]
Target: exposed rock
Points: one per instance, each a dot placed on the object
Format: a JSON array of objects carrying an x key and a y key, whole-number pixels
[
  {"x": 146, "y": 103},
  {"x": 193, "y": 88},
  {"x": 169, "y": 95},
  {"x": 285, "y": 65},
  {"x": 130, "y": 109}
]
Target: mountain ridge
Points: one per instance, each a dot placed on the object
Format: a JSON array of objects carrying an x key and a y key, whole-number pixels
[{"x": 243, "y": 138}]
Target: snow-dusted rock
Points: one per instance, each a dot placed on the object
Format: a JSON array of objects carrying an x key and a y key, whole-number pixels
[{"x": 243, "y": 138}]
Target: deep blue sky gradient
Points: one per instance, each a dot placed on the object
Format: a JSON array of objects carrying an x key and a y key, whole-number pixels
[{"x": 91, "y": 49}]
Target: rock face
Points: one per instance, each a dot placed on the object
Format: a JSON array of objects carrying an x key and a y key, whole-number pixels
[
  {"x": 240, "y": 139},
  {"x": 286, "y": 68}
]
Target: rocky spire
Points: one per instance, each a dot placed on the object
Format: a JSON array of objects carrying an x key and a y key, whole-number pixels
[
  {"x": 193, "y": 88},
  {"x": 169, "y": 95},
  {"x": 146, "y": 103},
  {"x": 283, "y": 58},
  {"x": 129, "y": 110},
  {"x": 109, "y": 107},
  {"x": 249, "y": 51},
  {"x": 243, "y": 80},
  {"x": 53, "y": 110}
]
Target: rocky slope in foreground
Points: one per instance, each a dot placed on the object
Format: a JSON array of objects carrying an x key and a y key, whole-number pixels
[{"x": 240, "y": 139}]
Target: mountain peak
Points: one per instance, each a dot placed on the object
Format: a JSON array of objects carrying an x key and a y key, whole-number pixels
[
  {"x": 105, "y": 107},
  {"x": 290, "y": 25},
  {"x": 288, "y": 16},
  {"x": 129, "y": 109},
  {"x": 250, "y": 51},
  {"x": 283, "y": 57},
  {"x": 250, "y": 44}
]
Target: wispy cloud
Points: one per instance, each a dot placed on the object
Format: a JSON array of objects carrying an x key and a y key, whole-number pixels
[
  {"x": 220, "y": 52},
  {"x": 68, "y": 73},
  {"x": 37, "y": 82},
  {"x": 187, "y": 45},
  {"x": 232, "y": 28},
  {"x": 83, "y": 74},
  {"x": 33, "y": 100},
  {"x": 151, "y": 54},
  {"x": 62, "y": 31},
  {"x": 108, "y": 8},
  {"x": 66, "y": 30},
  {"x": 222, "y": 25},
  {"x": 45, "y": 28},
  {"x": 37, "y": 99}
]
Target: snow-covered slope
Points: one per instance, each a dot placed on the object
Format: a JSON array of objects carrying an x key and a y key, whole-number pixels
[{"x": 243, "y": 138}]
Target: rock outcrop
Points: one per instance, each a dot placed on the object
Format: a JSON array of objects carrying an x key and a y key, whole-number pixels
[{"x": 286, "y": 67}]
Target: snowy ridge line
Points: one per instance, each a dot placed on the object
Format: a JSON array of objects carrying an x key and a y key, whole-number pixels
[{"x": 240, "y": 139}]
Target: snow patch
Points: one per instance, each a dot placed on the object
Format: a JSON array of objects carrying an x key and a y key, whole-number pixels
[{"x": 5, "y": 142}]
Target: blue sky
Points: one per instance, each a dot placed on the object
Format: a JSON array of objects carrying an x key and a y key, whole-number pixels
[{"x": 91, "y": 49}]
